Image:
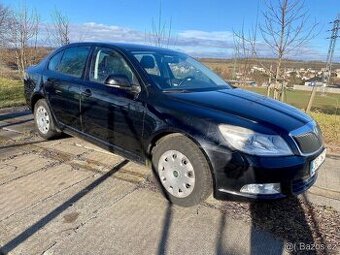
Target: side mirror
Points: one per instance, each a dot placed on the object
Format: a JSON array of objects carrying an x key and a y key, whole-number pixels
[
  {"x": 122, "y": 82},
  {"x": 118, "y": 81}
]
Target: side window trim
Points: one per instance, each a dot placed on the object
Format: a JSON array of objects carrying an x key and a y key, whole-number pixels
[
  {"x": 96, "y": 64},
  {"x": 86, "y": 73}
]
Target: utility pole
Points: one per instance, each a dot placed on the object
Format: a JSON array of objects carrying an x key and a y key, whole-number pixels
[{"x": 333, "y": 37}]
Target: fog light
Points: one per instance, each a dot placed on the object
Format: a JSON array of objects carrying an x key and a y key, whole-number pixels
[{"x": 265, "y": 188}]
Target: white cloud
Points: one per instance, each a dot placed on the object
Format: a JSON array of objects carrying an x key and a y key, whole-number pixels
[
  {"x": 197, "y": 43},
  {"x": 194, "y": 42},
  {"x": 92, "y": 31},
  {"x": 204, "y": 35}
]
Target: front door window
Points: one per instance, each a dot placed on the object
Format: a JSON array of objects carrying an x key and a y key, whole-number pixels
[{"x": 108, "y": 62}]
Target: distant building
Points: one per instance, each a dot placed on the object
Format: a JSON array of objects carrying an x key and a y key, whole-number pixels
[
  {"x": 256, "y": 68},
  {"x": 315, "y": 81}
]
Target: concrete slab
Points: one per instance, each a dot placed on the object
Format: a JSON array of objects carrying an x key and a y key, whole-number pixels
[
  {"x": 21, "y": 166},
  {"x": 135, "y": 173},
  {"x": 34, "y": 188},
  {"x": 9, "y": 152},
  {"x": 65, "y": 145},
  {"x": 14, "y": 112},
  {"x": 326, "y": 190},
  {"x": 35, "y": 230},
  {"x": 20, "y": 126},
  {"x": 89, "y": 146},
  {"x": 144, "y": 223},
  {"x": 322, "y": 198},
  {"x": 104, "y": 158},
  {"x": 329, "y": 175},
  {"x": 8, "y": 134}
]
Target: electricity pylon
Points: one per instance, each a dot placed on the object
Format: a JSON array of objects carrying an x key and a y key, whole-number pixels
[{"x": 333, "y": 37}]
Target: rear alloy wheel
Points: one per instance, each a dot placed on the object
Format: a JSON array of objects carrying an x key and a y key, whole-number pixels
[
  {"x": 182, "y": 170},
  {"x": 44, "y": 120}
]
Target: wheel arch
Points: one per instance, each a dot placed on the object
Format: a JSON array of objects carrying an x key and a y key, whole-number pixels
[
  {"x": 34, "y": 100},
  {"x": 168, "y": 133}
]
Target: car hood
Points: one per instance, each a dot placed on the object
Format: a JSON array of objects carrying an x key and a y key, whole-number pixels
[{"x": 249, "y": 105}]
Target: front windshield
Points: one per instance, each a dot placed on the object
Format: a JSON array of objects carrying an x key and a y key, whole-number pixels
[{"x": 178, "y": 72}]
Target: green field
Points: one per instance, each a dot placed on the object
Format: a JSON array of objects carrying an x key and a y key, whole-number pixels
[
  {"x": 324, "y": 102},
  {"x": 11, "y": 93}
]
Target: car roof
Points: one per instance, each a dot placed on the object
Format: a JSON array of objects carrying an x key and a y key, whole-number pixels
[{"x": 127, "y": 46}]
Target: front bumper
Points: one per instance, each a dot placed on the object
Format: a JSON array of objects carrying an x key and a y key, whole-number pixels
[{"x": 233, "y": 170}]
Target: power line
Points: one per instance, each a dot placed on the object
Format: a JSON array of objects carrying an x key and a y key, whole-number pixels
[{"x": 330, "y": 54}]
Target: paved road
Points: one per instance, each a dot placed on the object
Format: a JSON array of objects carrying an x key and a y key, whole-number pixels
[{"x": 69, "y": 197}]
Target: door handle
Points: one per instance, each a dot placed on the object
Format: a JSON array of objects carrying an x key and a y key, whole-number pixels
[{"x": 86, "y": 93}]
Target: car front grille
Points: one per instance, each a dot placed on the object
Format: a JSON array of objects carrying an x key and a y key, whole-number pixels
[{"x": 309, "y": 142}]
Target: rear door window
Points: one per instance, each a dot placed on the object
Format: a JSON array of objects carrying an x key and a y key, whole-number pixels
[{"x": 73, "y": 61}]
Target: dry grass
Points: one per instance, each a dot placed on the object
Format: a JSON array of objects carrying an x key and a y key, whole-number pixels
[{"x": 330, "y": 126}]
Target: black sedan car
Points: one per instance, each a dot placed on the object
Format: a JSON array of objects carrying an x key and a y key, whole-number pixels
[{"x": 160, "y": 107}]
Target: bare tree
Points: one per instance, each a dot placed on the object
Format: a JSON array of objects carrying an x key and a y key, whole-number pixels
[
  {"x": 246, "y": 48},
  {"x": 5, "y": 21},
  {"x": 244, "y": 51},
  {"x": 60, "y": 32},
  {"x": 24, "y": 37},
  {"x": 160, "y": 34},
  {"x": 286, "y": 27}
]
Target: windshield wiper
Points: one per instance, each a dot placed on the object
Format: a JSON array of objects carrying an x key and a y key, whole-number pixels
[{"x": 176, "y": 91}]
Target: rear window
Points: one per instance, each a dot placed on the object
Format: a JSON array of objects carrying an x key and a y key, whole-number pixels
[{"x": 73, "y": 61}]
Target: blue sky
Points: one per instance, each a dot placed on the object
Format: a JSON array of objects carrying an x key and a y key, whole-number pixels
[{"x": 200, "y": 27}]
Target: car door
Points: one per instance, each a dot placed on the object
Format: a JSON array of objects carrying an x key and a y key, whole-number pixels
[
  {"x": 63, "y": 82},
  {"x": 113, "y": 115}
]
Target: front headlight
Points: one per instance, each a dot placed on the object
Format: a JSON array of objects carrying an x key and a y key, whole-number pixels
[{"x": 250, "y": 142}]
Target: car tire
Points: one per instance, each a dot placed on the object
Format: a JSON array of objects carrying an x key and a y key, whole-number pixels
[
  {"x": 182, "y": 170},
  {"x": 44, "y": 121}
]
